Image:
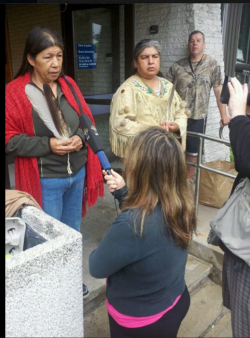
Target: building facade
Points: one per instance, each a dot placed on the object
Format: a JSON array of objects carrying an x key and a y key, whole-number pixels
[{"x": 99, "y": 42}]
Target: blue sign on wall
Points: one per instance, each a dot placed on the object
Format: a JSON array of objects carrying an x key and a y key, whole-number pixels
[{"x": 86, "y": 56}]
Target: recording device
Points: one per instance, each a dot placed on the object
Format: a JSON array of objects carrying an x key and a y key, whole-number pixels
[
  {"x": 240, "y": 68},
  {"x": 94, "y": 141}
]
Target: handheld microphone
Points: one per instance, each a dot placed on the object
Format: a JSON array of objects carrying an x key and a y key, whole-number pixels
[{"x": 91, "y": 135}]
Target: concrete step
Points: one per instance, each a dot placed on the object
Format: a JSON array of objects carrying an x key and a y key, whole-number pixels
[
  {"x": 207, "y": 317},
  {"x": 196, "y": 271},
  {"x": 201, "y": 249},
  {"x": 206, "y": 314}
]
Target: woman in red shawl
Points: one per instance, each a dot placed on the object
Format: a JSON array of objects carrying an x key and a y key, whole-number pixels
[{"x": 63, "y": 175}]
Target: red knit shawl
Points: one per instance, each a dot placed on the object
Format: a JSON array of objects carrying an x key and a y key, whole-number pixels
[{"x": 18, "y": 120}]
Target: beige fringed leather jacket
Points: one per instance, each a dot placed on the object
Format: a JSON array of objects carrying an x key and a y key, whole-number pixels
[{"x": 135, "y": 107}]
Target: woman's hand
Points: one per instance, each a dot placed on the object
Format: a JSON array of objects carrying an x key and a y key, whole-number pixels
[
  {"x": 60, "y": 147},
  {"x": 169, "y": 126},
  {"x": 114, "y": 181},
  {"x": 77, "y": 142}
]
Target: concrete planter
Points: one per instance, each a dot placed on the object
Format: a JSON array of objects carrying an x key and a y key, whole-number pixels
[{"x": 44, "y": 283}]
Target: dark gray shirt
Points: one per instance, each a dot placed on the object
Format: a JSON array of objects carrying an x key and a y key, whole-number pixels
[{"x": 145, "y": 274}]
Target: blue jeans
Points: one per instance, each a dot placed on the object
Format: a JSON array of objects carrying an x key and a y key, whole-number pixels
[{"x": 62, "y": 198}]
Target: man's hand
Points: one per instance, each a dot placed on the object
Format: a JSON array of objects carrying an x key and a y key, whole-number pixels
[
  {"x": 238, "y": 97},
  {"x": 224, "y": 121}
]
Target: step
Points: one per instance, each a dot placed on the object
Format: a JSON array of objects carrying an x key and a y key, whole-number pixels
[
  {"x": 208, "y": 253},
  {"x": 207, "y": 317},
  {"x": 199, "y": 246},
  {"x": 96, "y": 319},
  {"x": 196, "y": 271}
]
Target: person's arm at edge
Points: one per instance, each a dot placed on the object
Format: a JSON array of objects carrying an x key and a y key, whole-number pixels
[{"x": 239, "y": 126}]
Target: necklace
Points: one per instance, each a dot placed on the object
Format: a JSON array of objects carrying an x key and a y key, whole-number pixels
[
  {"x": 194, "y": 70},
  {"x": 158, "y": 92}
]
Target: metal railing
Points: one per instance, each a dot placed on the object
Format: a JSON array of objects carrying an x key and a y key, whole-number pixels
[{"x": 200, "y": 166}]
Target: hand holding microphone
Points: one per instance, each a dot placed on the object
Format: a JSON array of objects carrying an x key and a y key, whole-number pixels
[{"x": 114, "y": 180}]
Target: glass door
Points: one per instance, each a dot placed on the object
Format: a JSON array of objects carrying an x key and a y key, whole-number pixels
[{"x": 96, "y": 55}]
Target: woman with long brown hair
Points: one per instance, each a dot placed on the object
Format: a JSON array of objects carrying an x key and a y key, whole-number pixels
[{"x": 144, "y": 253}]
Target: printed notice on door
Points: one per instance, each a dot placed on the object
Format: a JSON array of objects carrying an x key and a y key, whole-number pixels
[{"x": 86, "y": 56}]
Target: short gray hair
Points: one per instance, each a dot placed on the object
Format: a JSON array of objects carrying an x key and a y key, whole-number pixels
[
  {"x": 196, "y": 32},
  {"x": 145, "y": 43}
]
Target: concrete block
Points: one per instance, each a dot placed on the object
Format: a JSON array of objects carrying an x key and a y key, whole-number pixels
[
  {"x": 196, "y": 271},
  {"x": 44, "y": 283}
]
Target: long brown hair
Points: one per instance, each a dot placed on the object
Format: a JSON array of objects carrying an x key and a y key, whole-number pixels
[{"x": 156, "y": 173}]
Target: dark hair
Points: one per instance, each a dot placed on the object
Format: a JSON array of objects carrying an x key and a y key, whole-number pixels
[
  {"x": 196, "y": 32},
  {"x": 38, "y": 39},
  {"x": 156, "y": 173},
  {"x": 145, "y": 43}
]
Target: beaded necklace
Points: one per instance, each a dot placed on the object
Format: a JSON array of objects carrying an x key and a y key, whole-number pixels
[{"x": 151, "y": 91}]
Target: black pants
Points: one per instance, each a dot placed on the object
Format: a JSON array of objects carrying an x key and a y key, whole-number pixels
[{"x": 167, "y": 326}]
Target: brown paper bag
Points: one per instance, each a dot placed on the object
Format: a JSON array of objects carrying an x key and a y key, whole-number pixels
[{"x": 216, "y": 188}]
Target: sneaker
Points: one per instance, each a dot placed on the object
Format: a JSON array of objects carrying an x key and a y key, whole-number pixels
[{"x": 85, "y": 291}]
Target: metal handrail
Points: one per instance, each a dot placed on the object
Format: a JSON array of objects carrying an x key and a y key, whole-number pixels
[{"x": 199, "y": 165}]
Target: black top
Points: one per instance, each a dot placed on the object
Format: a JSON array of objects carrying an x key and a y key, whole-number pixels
[{"x": 145, "y": 274}]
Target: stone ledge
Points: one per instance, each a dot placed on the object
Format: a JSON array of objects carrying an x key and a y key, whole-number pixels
[{"x": 208, "y": 253}]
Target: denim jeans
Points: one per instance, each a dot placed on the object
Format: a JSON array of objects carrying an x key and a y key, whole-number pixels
[{"x": 62, "y": 198}]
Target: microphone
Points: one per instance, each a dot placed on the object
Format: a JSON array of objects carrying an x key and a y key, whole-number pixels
[
  {"x": 92, "y": 137},
  {"x": 242, "y": 68}
]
